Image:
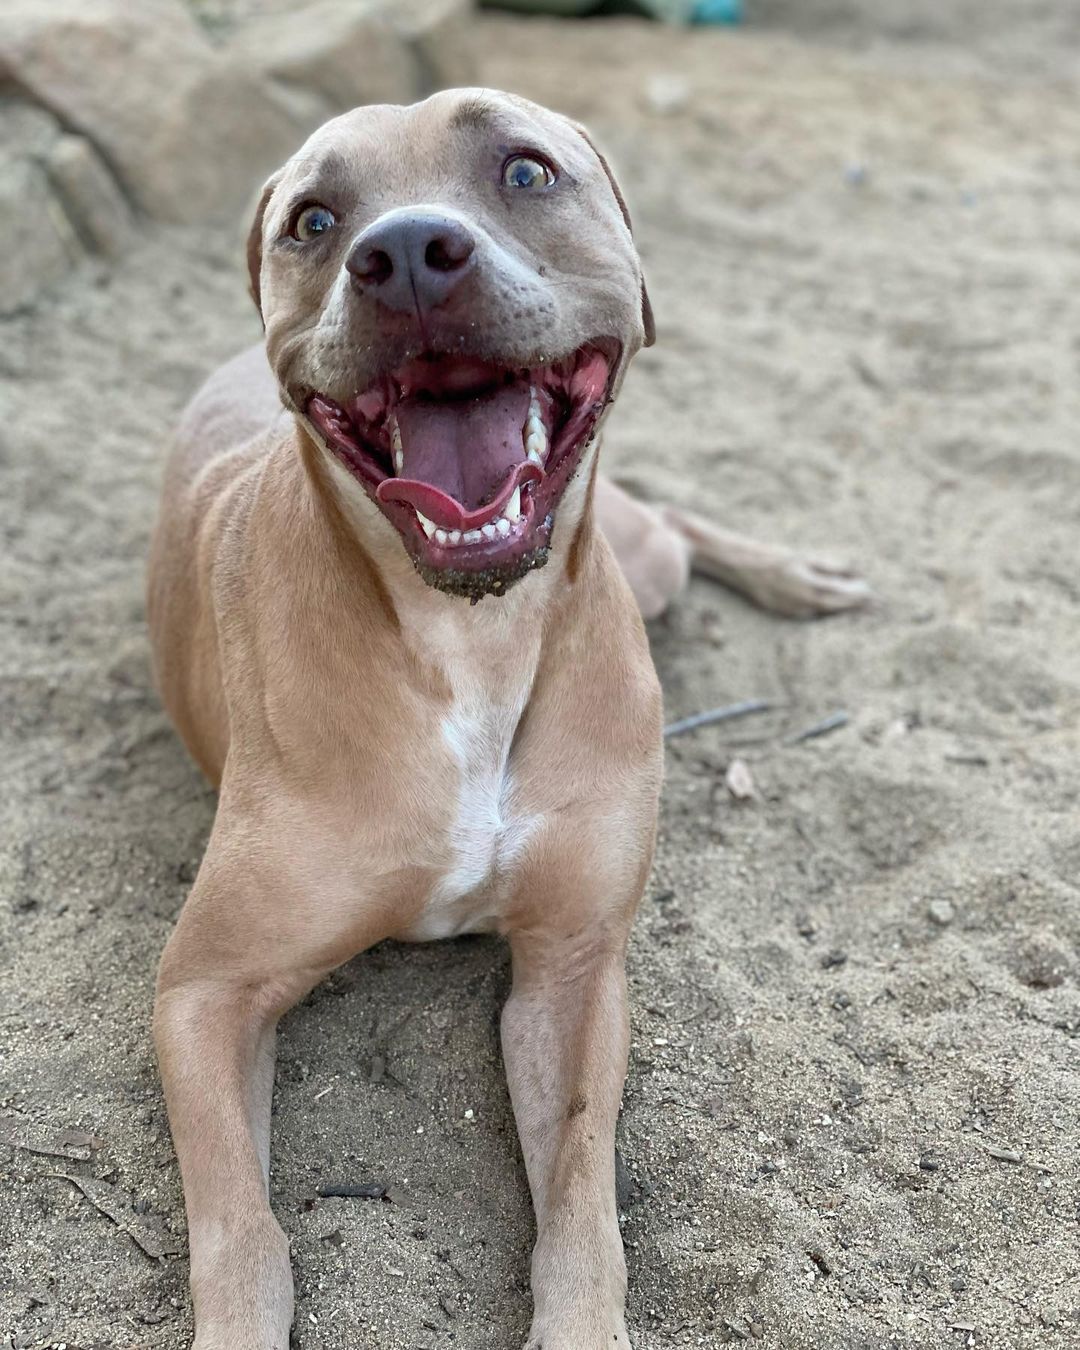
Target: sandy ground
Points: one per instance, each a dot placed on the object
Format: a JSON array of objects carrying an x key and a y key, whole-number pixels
[{"x": 851, "y": 1116}]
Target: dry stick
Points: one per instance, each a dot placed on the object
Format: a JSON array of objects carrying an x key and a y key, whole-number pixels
[
  {"x": 726, "y": 714},
  {"x": 833, "y": 722}
]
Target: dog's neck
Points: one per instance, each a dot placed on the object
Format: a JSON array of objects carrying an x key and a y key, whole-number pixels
[{"x": 425, "y": 613}]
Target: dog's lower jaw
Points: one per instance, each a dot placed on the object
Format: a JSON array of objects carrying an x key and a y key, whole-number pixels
[{"x": 474, "y": 586}]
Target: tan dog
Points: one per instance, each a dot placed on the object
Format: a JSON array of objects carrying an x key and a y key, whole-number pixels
[{"x": 451, "y": 297}]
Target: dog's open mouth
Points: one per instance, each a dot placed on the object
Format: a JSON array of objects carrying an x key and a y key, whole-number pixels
[{"x": 469, "y": 459}]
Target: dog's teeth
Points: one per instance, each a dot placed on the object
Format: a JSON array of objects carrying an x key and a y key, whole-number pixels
[
  {"x": 488, "y": 530},
  {"x": 472, "y": 537},
  {"x": 428, "y": 525},
  {"x": 455, "y": 536},
  {"x": 502, "y": 527},
  {"x": 536, "y": 441},
  {"x": 395, "y": 446},
  {"x": 441, "y": 536},
  {"x": 513, "y": 506}
]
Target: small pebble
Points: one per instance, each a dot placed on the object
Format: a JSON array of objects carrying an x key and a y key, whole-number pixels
[
  {"x": 667, "y": 94},
  {"x": 832, "y": 959},
  {"x": 941, "y": 912}
]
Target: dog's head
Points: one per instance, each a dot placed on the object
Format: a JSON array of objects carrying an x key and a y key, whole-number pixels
[{"x": 451, "y": 295}]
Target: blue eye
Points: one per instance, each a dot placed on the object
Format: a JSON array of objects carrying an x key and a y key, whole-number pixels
[
  {"x": 525, "y": 172},
  {"x": 313, "y": 221}
]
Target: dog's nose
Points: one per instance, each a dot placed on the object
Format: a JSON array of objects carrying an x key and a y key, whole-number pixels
[{"x": 411, "y": 261}]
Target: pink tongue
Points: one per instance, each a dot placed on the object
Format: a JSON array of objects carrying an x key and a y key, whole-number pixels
[{"x": 462, "y": 459}]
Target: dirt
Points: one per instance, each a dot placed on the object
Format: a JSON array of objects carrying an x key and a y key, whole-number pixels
[{"x": 851, "y": 1114}]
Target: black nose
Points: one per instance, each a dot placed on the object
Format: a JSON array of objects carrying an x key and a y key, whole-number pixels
[{"x": 411, "y": 261}]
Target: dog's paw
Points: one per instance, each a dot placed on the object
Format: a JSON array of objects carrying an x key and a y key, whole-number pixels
[
  {"x": 802, "y": 587},
  {"x": 580, "y": 1336}
]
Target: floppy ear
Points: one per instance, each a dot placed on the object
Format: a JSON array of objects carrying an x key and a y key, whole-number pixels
[
  {"x": 254, "y": 242},
  {"x": 648, "y": 323}
]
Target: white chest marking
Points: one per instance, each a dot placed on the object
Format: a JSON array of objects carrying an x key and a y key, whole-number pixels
[{"x": 486, "y": 838}]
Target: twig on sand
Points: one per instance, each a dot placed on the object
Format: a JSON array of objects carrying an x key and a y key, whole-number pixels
[
  {"x": 725, "y": 714},
  {"x": 833, "y": 722},
  {"x": 147, "y": 1230}
]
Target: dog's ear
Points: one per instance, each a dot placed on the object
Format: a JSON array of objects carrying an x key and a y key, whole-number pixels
[
  {"x": 647, "y": 320},
  {"x": 254, "y": 242}
]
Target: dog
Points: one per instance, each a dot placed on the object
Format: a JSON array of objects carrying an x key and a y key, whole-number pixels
[{"x": 397, "y": 620}]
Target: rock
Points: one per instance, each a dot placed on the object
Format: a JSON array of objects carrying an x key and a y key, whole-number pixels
[
  {"x": 740, "y": 781},
  {"x": 48, "y": 246},
  {"x": 91, "y": 197},
  {"x": 439, "y": 35},
  {"x": 344, "y": 54},
  {"x": 667, "y": 93},
  {"x": 941, "y": 912},
  {"x": 187, "y": 132}
]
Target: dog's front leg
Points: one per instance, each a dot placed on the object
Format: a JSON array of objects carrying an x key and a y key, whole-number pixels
[
  {"x": 215, "y": 1042},
  {"x": 248, "y": 945},
  {"x": 565, "y": 1038}
]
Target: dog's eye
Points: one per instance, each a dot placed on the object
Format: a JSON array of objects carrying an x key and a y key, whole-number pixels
[
  {"x": 313, "y": 221},
  {"x": 525, "y": 172}
]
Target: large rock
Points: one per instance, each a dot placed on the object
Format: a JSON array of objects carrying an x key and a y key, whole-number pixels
[
  {"x": 59, "y": 204},
  {"x": 187, "y": 130},
  {"x": 439, "y": 34},
  {"x": 42, "y": 246},
  {"x": 345, "y": 54},
  {"x": 348, "y": 52},
  {"x": 90, "y": 196}
]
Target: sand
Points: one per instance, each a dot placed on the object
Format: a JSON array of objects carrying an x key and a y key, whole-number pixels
[{"x": 851, "y": 1114}]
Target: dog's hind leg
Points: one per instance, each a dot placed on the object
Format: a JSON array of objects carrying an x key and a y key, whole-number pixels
[
  {"x": 658, "y": 547},
  {"x": 779, "y": 579}
]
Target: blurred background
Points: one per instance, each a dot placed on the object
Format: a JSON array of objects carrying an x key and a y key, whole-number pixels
[{"x": 850, "y": 1120}]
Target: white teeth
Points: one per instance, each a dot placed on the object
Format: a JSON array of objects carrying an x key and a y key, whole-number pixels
[
  {"x": 499, "y": 528},
  {"x": 395, "y": 445},
  {"x": 399, "y": 462},
  {"x": 536, "y": 441}
]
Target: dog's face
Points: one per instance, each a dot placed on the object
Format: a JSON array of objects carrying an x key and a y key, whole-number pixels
[{"x": 451, "y": 295}]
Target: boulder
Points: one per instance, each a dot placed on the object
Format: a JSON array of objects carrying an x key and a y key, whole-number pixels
[
  {"x": 345, "y": 54},
  {"x": 46, "y": 238},
  {"x": 90, "y": 196},
  {"x": 439, "y": 34},
  {"x": 187, "y": 130},
  {"x": 43, "y": 246}
]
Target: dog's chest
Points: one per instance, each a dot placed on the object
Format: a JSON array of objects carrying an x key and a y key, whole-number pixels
[{"x": 488, "y": 830}]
